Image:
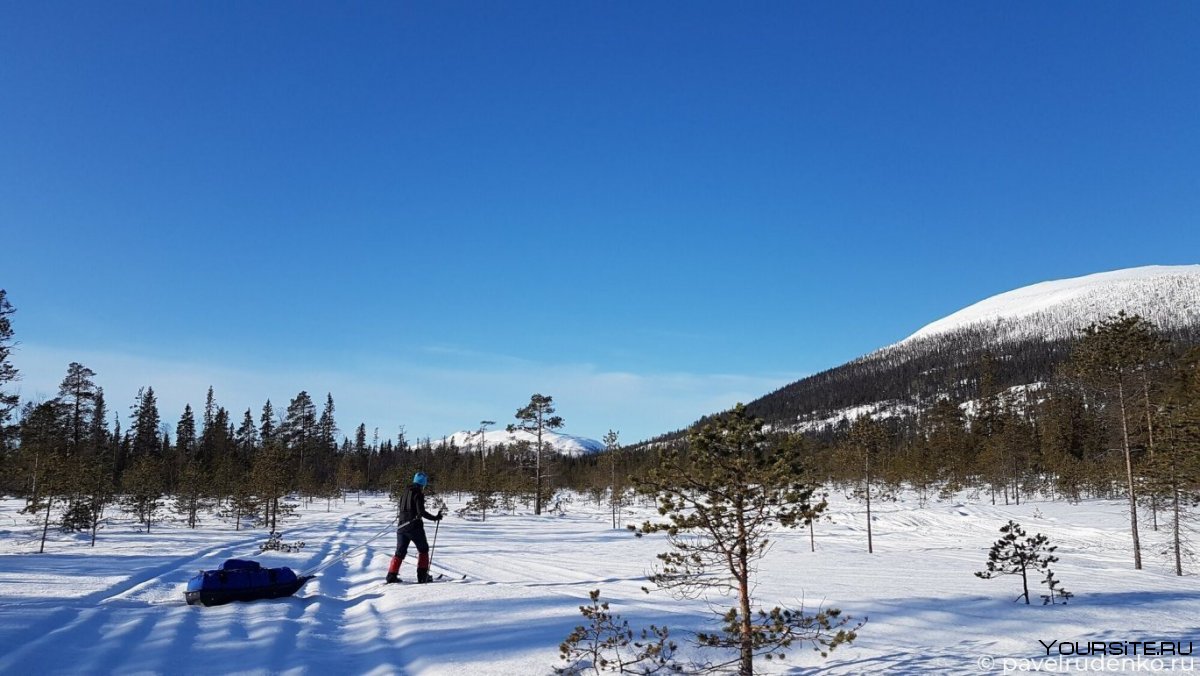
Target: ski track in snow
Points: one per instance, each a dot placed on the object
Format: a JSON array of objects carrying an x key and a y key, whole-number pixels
[{"x": 119, "y": 608}]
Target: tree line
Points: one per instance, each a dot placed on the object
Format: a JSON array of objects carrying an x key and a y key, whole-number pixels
[
  {"x": 71, "y": 460},
  {"x": 1119, "y": 417}
]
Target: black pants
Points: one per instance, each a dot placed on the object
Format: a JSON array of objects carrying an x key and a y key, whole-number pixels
[{"x": 413, "y": 535}]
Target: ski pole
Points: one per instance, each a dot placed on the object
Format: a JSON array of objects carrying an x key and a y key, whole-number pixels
[
  {"x": 432, "y": 547},
  {"x": 339, "y": 557}
]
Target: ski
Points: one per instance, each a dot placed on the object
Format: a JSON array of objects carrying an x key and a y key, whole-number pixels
[{"x": 441, "y": 577}]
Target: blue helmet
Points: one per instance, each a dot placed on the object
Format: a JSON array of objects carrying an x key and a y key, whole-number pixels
[{"x": 420, "y": 479}]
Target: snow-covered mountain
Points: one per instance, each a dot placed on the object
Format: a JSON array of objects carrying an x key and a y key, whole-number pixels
[
  {"x": 1166, "y": 295},
  {"x": 1030, "y": 330},
  {"x": 562, "y": 443}
]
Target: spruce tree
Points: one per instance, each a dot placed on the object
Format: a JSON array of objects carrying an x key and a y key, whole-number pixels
[
  {"x": 363, "y": 453},
  {"x": 185, "y": 435},
  {"x": 247, "y": 436},
  {"x": 210, "y": 429},
  {"x": 98, "y": 437},
  {"x": 327, "y": 429},
  {"x": 8, "y": 375},
  {"x": 266, "y": 424},
  {"x": 144, "y": 425}
]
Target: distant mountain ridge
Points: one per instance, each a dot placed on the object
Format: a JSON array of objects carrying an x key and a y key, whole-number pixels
[
  {"x": 562, "y": 443},
  {"x": 1030, "y": 330}
]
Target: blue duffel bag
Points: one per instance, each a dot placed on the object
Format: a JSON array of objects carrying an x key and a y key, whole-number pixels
[{"x": 241, "y": 580}]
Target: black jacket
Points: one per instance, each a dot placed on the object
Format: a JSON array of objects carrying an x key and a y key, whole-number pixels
[{"x": 412, "y": 507}]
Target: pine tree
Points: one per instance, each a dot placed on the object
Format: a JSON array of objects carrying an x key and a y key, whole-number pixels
[
  {"x": 192, "y": 494},
  {"x": 947, "y": 443},
  {"x": 44, "y": 436},
  {"x": 97, "y": 472},
  {"x": 95, "y": 479},
  {"x": 271, "y": 480},
  {"x": 1174, "y": 471},
  {"x": 537, "y": 418},
  {"x": 143, "y": 487},
  {"x": 77, "y": 401},
  {"x": 78, "y": 393},
  {"x": 1071, "y": 441},
  {"x": 1010, "y": 555},
  {"x": 866, "y": 443},
  {"x": 348, "y": 474},
  {"x": 483, "y": 494},
  {"x": 1013, "y": 444},
  {"x": 986, "y": 426},
  {"x": 1109, "y": 358},
  {"x": 299, "y": 429},
  {"x": 242, "y": 502},
  {"x": 722, "y": 497},
  {"x": 607, "y": 644},
  {"x": 221, "y": 465},
  {"x": 615, "y": 489}
]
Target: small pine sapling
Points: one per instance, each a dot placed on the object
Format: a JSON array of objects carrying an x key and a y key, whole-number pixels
[
  {"x": 1054, "y": 591},
  {"x": 778, "y": 629},
  {"x": 606, "y": 643},
  {"x": 1010, "y": 555},
  {"x": 723, "y": 498}
]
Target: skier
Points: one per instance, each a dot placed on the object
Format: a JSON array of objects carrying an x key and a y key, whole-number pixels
[{"x": 412, "y": 529}]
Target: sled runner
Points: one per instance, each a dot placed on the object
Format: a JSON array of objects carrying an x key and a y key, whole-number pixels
[{"x": 242, "y": 580}]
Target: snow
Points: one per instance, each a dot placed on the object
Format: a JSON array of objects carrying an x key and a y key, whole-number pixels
[
  {"x": 1165, "y": 295},
  {"x": 120, "y": 608},
  {"x": 816, "y": 421},
  {"x": 563, "y": 443}
]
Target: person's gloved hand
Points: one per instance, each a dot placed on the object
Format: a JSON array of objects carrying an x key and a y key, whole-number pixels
[{"x": 441, "y": 513}]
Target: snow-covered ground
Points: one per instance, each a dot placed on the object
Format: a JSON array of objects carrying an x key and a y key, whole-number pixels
[{"x": 119, "y": 608}]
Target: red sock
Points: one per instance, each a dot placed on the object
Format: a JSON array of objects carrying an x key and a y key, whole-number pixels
[{"x": 395, "y": 566}]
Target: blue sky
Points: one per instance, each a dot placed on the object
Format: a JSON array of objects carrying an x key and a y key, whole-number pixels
[{"x": 649, "y": 211}]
